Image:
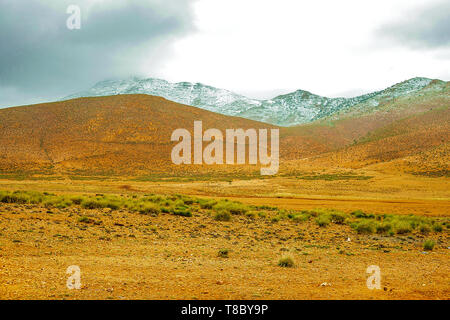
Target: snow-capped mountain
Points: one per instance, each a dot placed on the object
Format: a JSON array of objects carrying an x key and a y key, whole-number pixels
[{"x": 286, "y": 110}]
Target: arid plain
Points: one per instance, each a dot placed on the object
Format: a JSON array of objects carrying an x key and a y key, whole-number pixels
[{"x": 89, "y": 182}]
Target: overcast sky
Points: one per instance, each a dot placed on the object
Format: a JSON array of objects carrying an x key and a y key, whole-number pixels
[{"x": 259, "y": 48}]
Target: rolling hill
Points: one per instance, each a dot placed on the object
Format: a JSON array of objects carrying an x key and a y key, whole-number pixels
[{"x": 130, "y": 135}]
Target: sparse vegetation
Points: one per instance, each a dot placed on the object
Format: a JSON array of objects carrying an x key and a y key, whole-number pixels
[
  {"x": 365, "y": 227},
  {"x": 84, "y": 219},
  {"x": 223, "y": 253},
  {"x": 234, "y": 208},
  {"x": 425, "y": 229},
  {"x": 323, "y": 220},
  {"x": 333, "y": 177},
  {"x": 222, "y": 216},
  {"x": 383, "y": 227},
  {"x": 286, "y": 262},
  {"x": 402, "y": 227},
  {"x": 223, "y": 210},
  {"x": 149, "y": 208},
  {"x": 428, "y": 245}
]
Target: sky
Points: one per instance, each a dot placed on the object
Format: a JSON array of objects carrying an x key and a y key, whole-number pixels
[{"x": 259, "y": 48}]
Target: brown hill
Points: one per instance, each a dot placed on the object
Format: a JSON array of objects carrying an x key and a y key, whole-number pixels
[
  {"x": 125, "y": 134},
  {"x": 411, "y": 134},
  {"x": 130, "y": 135}
]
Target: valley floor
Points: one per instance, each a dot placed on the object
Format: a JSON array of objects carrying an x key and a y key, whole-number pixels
[{"x": 127, "y": 255}]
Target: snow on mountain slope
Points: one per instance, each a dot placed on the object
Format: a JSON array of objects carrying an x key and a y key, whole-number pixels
[{"x": 286, "y": 110}]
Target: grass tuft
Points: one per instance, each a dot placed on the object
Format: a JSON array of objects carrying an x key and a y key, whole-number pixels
[{"x": 286, "y": 262}]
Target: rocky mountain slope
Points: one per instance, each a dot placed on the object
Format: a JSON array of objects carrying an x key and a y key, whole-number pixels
[
  {"x": 286, "y": 110},
  {"x": 130, "y": 135}
]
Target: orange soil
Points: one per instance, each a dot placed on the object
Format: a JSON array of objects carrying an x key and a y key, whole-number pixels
[{"x": 131, "y": 256}]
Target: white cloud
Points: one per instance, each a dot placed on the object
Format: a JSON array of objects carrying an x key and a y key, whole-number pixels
[{"x": 258, "y": 47}]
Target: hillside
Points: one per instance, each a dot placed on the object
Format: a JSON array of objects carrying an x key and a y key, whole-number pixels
[
  {"x": 291, "y": 109},
  {"x": 409, "y": 134},
  {"x": 118, "y": 134},
  {"x": 130, "y": 135}
]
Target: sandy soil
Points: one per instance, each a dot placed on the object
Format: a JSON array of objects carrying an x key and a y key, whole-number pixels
[
  {"x": 126, "y": 255},
  {"x": 131, "y": 256}
]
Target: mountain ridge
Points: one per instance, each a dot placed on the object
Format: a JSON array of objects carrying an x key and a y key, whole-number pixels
[
  {"x": 286, "y": 110},
  {"x": 131, "y": 135}
]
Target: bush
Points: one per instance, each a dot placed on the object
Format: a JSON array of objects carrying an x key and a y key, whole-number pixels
[
  {"x": 276, "y": 219},
  {"x": 403, "y": 227},
  {"x": 323, "y": 220},
  {"x": 302, "y": 217},
  {"x": 84, "y": 219},
  {"x": 182, "y": 211},
  {"x": 338, "y": 217},
  {"x": 286, "y": 262},
  {"x": 188, "y": 201},
  {"x": 207, "y": 204},
  {"x": 383, "y": 227},
  {"x": 365, "y": 227},
  {"x": 149, "y": 208},
  {"x": 428, "y": 245},
  {"x": 15, "y": 197},
  {"x": 77, "y": 200},
  {"x": 222, "y": 216},
  {"x": 437, "y": 228},
  {"x": 424, "y": 228},
  {"x": 250, "y": 214},
  {"x": 234, "y": 208},
  {"x": 362, "y": 214},
  {"x": 92, "y": 204},
  {"x": 223, "y": 253}
]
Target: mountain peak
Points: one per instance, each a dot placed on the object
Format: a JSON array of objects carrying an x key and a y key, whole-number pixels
[{"x": 289, "y": 109}]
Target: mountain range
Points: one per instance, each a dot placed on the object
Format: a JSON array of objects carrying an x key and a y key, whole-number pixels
[
  {"x": 290, "y": 109},
  {"x": 130, "y": 135}
]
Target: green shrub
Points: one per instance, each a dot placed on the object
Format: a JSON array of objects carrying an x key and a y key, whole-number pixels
[
  {"x": 424, "y": 228},
  {"x": 276, "y": 219},
  {"x": 301, "y": 217},
  {"x": 77, "y": 199},
  {"x": 323, "y": 220},
  {"x": 438, "y": 228},
  {"x": 286, "y": 262},
  {"x": 235, "y": 208},
  {"x": 362, "y": 214},
  {"x": 84, "y": 219},
  {"x": 149, "y": 208},
  {"x": 182, "y": 211},
  {"x": 403, "y": 227},
  {"x": 223, "y": 253},
  {"x": 365, "y": 227},
  {"x": 93, "y": 204},
  {"x": 428, "y": 245},
  {"x": 222, "y": 216},
  {"x": 207, "y": 204},
  {"x": 338, "y": 217},
  {"x": 188, "y": 201},
  {"x": 383, "y": 227},
  {"x": 250, "y": 214},
  {"x": 15, "y": 197}
]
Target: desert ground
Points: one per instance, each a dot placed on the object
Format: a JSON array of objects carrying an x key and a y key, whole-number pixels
[
  {"x": 124, "y": 254},
  {"x": 89, "y": 182}
]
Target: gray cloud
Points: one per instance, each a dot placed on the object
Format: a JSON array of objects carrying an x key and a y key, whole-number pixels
[
  {"x": 40, "y": 59},
  {"x": 428, "y": 27}
]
